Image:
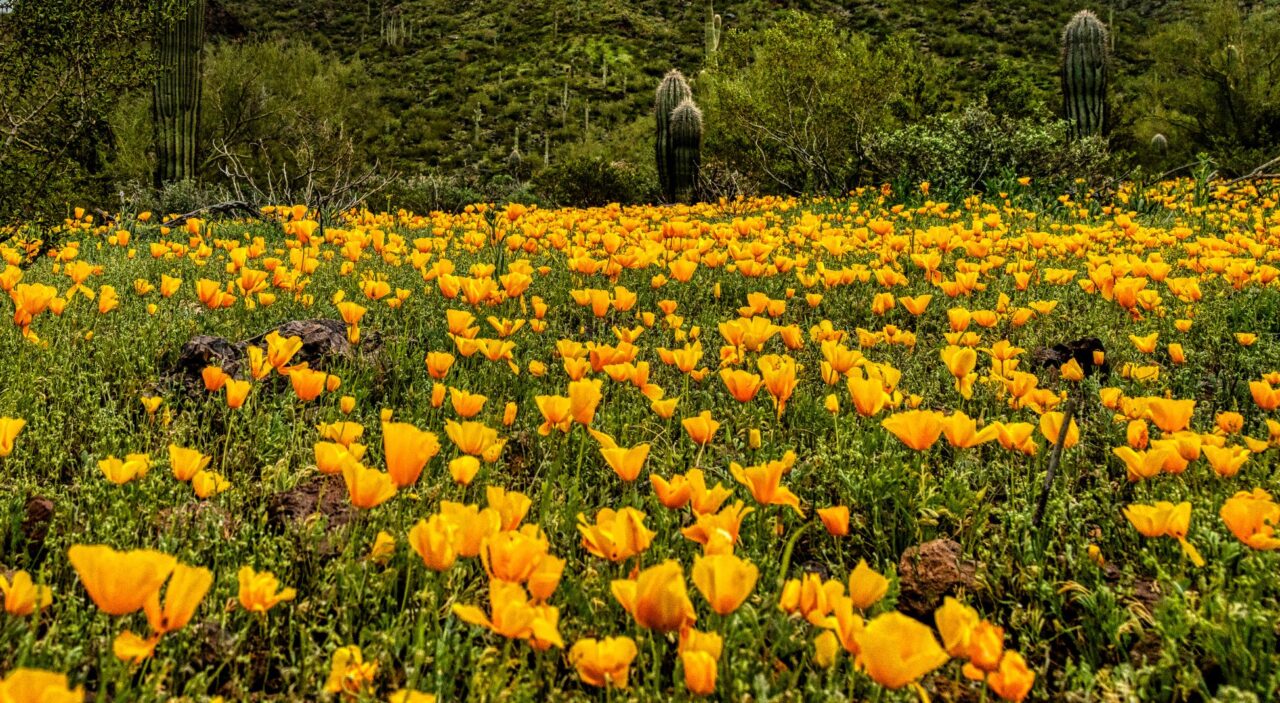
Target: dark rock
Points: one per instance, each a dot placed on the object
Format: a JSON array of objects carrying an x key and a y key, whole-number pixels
[
  {"x": 1080, "y": 349},
  {"x": 39, "y": 513},
  {"x": 213, "y": 644},
  {"x": 312, "y": 513},
  {"x": 813, "y": 566},
  {"x": 35, "y": 523},
  {"x": 1146, "y": 593},
  {"x": 322, "y": 341},
  {"x": 929, "y": 572},
  {"x": 204, "y": 350},
  {"x": 321, "y": 496},
  {"x": 1147, "y": 650}
]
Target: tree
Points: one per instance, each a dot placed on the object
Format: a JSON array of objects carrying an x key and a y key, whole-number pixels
[
  {"x": 279, "y": 121},
  {"x": 794, "y": 104},
  {"x": 283, "y": 122},
  {"x": 1214, "y": 85},
  {"x": 63, "y": 64}
]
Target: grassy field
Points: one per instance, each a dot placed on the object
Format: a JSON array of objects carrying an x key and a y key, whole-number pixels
[{"x": 757, "y": 450}]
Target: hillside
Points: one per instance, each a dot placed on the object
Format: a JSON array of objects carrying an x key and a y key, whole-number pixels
[{"x": 468, "y": 80}]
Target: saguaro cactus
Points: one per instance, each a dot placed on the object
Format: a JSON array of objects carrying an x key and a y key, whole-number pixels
[
  {"x": 686, "y": 142},
  {"x": 1085, "y": 65},
  {"x": 175, "y": 99},
  {"x": 711, "y": 32},
  {"x": 673, "y": 90}
]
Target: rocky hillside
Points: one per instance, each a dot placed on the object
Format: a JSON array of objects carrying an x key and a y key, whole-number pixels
[{"x": 470, "y": 80}]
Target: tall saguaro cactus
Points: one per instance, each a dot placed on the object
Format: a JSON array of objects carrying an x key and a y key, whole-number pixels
[
  {"x": 673, "y": 91},
  {"x": 686, "y": 143},
  {"x": 1085, "y": 65},
  {"x": 711, "y": 32},
  {"x": 175, "y": 98}
]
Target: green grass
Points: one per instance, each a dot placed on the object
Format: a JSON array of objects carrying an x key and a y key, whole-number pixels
[{"x": 1149, "y": 626}]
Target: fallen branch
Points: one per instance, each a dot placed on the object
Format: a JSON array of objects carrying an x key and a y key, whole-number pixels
[
  {"x": 1068, "y": 414},
  {"x": 1172, "y": 171},
  {"x": 226, "y": 208},
  {"x": 1257, "y": 173},
  {"x": 1260, "y": 177}
]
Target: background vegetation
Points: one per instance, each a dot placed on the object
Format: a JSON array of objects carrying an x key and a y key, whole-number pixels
[{"x": 431, "y": 104}]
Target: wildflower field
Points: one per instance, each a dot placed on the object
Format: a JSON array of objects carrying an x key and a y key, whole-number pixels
[{"x": 765, "y": 450}]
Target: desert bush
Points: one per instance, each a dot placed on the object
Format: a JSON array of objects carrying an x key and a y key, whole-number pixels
[
  {"x": 794, "y": 104},
  {"x": 432, "y": 192},
  {"x": 592, "y": 177},
  {"x": 619, "y": 168},
  {"x": 1212, "y": 87},
  {"x": 63, "y": 66},
  {"x": 176, "y": 197},
  {"x": 967, "y": 149},
  {"x": 280, "y": 122},
  {"x": 1010, "y": 92}
]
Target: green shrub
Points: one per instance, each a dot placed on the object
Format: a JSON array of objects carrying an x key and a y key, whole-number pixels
[
  {"x": 794, "y": 104},
  {"x": 63, "y": 66},
  {"x": 1010, "y": 92},
  {"x": 619, "y": 169},
  {"x": 429, "y": 193},
  {"x": 175, "y": 197},
  {"x": 591, "y": 177},
  {"x": 968, "y": 149},
  {"x": 1212, "y": 87},
  {"x": 280, "y": 122}
]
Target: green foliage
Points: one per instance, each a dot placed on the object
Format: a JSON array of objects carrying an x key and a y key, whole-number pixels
[
  {"x": 462, "y": 78},
  {"x": 793, "y": 104},
  {"x": 1214, "y": 86},
  {"x": 598, "y": 173},
  {"x": 279, "y": 119},
  {"x": 1009, "y": 91},
  {"x": 63, "y": 65},
  {"x": 924, "y": 83},
  {"x": 175, "y": 101},
  {"x": 442, "y": 90},
  {"x": 1085, "y": 66},
  {"x": 971, "y": 148},
  {"x": 286, "y": 111},
  {"x": 172, "y": 197},
  {"x": 435, "y": 192},
  {"x": 536, "y": 65}
]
